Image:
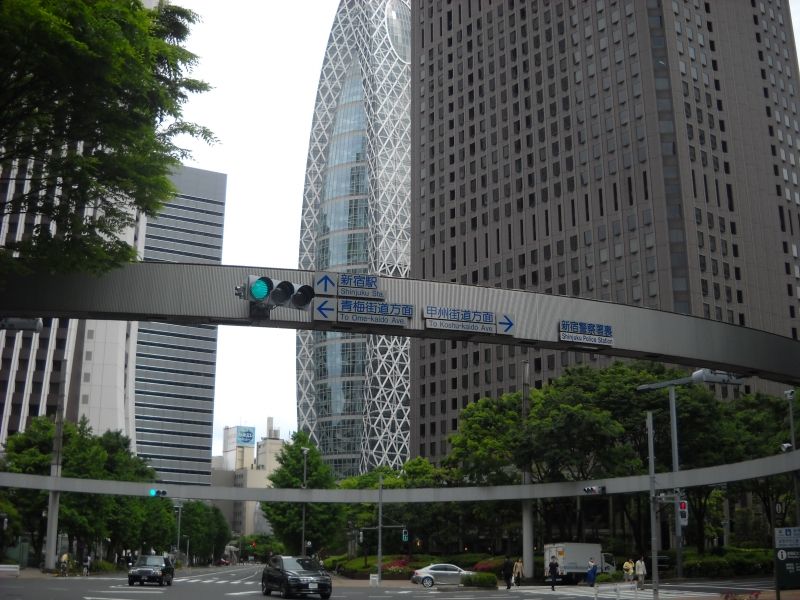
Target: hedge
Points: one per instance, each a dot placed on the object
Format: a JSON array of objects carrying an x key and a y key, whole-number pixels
[{"x": 481, "y": 580}]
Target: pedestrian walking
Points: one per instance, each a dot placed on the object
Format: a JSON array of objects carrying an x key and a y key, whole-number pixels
[
  {"x": 518, "y": 570},
  {"x": 508, "y": 571},
  {"x": 552, "y": 570},
  {"x": 591, "y": 572},
  {"x": 627, "y": 570},
  {"x": 641, "y": 572}
]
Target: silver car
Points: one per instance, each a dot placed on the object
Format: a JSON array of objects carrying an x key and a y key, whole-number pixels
[{"x": 439, "y": 574}]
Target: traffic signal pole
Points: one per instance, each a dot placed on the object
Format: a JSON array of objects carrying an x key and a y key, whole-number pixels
[
  {"x": 51, "y": 549},
  {"x": 675, "y": 468}
]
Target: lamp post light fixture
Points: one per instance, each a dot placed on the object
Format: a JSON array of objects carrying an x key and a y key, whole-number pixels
[
  {"x": 303, "y": 533},
  {"x": 699, "y": 376}
]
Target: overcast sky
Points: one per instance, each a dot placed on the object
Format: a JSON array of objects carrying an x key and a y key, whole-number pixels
[{"x": 263, "y": 58}]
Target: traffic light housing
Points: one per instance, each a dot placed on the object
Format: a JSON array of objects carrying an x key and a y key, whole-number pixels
[
  {"x": 683, "y": 512},
  {"x": 593, "y": 490},
  {"x": 405, "y": 535},
  {"x": 263, "y": 294},
  {"x": 156, "y": 493}
]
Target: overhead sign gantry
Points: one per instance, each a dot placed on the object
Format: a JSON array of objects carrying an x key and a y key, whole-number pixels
[{"x": 348, "y": 302}]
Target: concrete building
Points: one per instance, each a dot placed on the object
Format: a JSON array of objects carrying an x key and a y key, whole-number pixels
[
  {"x": 352, "y": 390},
  {"x": 637, "y": 152},
  {"x": 246, "y": 463}
]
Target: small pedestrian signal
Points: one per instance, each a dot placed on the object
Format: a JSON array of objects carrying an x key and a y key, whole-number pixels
[
  {"x": 683, "y": 512},
  {"x": 405, "y": 535}
]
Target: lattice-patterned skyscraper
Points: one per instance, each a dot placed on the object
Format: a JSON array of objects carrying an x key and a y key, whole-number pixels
[{"x": 352, "y": 390}]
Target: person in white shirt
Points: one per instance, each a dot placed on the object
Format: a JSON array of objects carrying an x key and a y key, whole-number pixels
[{"x": 641, "y": 572}]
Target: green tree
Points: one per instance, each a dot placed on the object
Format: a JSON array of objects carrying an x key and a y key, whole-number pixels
[
  {"x": 87, "y": 518},
  {"x": 30, "y": 453},
  {"x": 323, "y": 521},
  {"x": 91, "y": 100},
  {"x": 206, "y": 529},
  {"x": 82, "y": 516},
  {"x": 125, "y": 516},
  {"x": 762, "y": 426},
  {"x": 158, "y": 526},
  {"x": 488, "y": 442}
]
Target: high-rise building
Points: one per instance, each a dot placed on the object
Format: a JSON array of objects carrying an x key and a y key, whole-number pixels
[
  {"x": 176, "y": 364},
  {"x": 96, "y": 368},
  {"x": 352, "y": 389},
  {"x": 644, "y": 153}
]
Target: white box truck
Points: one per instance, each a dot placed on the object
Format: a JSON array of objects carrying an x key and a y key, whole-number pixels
[{"x": 573, "y": 560}]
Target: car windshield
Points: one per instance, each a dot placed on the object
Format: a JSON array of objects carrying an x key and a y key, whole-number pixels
[
  {"x": 300, "y": 564},
  {"x": 149, "y": 561}
]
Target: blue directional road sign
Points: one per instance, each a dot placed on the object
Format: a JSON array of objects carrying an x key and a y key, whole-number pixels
[{"x": 324, "y": 309}]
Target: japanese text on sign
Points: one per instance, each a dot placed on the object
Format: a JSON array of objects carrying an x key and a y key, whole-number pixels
[
  {"x": 366, "y": 307},
  {"x": 458, "y": 314},
  {"x": 580, "y": 327},
  {"x": 357, "y": 280}
]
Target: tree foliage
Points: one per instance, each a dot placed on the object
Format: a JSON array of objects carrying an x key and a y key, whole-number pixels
[
  {"x": 590, "y": 424},
  {"x": 91, "y": 101},
  {"x": 323, "y": 521},
  {"x": 129, "y": 523}
]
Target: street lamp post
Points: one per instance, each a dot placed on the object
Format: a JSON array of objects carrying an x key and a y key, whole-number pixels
[
  {"x": 527, "y": 504},
  {"x": 700, "y": 376},
  {"x": 303, "y": 533},
  {"x": 651, "y": 470},
  {"x": 789, "y": 395},
  {"x": 179, "y": 505}
]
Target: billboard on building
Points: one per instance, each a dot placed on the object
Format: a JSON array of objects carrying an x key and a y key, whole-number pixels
[{"x": 245, "y": 436}]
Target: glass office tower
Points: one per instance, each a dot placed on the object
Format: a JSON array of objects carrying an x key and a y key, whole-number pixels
[{"x": 352, "y": 389}]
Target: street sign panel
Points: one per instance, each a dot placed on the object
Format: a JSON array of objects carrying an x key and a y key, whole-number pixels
[
  {"x": 463, "y": 319},
  {"x": 787, "y": 557},
  {"x": 584, "y": 332},
  {"x": 374, "y": 313},
  {"x": 324, "y": 309},
  {"x": 325, "y": 284}
]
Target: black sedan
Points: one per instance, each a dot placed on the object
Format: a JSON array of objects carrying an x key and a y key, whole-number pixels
[
  {"x": 295, "y": 575},
  {"x": 152, "y": 569}
]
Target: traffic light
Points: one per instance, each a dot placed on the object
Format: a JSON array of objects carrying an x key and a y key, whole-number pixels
[
  {"x": 683, "y": 512},
  {"x": 595, "y": 489},
  {"x": 361, "y": 536},
  {"x": 264, "y": 294},
  {"x": 154, "y": 493},
  {"x": 405, "y": 535}
]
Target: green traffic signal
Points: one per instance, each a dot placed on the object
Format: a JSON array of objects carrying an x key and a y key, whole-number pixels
[
  {"x": 260, "y": 288},
  {"x": 154, "y": 493}
]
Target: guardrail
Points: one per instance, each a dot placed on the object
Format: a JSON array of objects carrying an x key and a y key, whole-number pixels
[{"x": 9, "y": 570}]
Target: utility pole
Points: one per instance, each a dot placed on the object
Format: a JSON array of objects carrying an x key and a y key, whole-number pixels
[
  {"x": 55, "y": 496},
  {"x": 527, "y": 503},
  {"x": 380, "y": 525},
  {"x": 651, "y": 463},
  {"x": 303, "y": 534}
]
